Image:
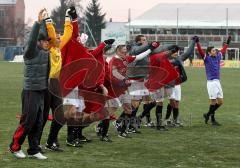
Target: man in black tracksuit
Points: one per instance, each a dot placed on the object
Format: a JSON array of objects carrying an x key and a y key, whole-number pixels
[{"x": 36, "y": 70}]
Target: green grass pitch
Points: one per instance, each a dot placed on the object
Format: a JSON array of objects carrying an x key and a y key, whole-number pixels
[{"x": 195, "y": 145}]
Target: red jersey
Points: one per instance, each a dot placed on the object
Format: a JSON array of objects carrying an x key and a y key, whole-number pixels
[
  {"x": 115, "y": 86},
  {"x": 121, "y": 64},
  {"x": 161, "y": 72}
]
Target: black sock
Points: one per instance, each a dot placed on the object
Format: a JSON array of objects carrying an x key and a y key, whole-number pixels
[
  {"x": 100, "y": 127},
  {"x": 213, "y": 117},
  {"x": 211, "y": 110},
  {"x": 54, "y": 130},
  {"x": 153, "y": 104},
  {"x": 71, "y": 133},
  {"x": 169, "y": 110},
  {"x": 121, "y": 117},
  {"x": 147, "y": 108},
  {"x": 148, "y": 117},
  {"x": 175, "y": 114},
  {"x": 134, "y": 111},
  {"x": 217, "y": 106},
  {"x": 79, "y": 130},
  {"x": 159, "y": 115},
  {"x": 105, "y": 127},
  {"x": 133, "y": 121},
  {"x": 100, "y": 124},
  {"x": 125, "y": 123},
  {"x": 213, "y": 114}
]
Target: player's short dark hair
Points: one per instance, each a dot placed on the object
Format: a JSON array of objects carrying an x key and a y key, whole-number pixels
[
  {"x": 138, "y": 38},
  {"x": 119, "y": 47},
  {"x": 209, "y": 49}
]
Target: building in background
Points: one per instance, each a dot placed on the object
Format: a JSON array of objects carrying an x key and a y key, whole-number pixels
[
  {"x": 12, "y": 22},
  {"x": 177, "y": 23}
]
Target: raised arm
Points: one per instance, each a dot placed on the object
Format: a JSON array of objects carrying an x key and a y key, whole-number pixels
[
  {"x": 51, "y": 31},
  {"x": 33, "y": 38},
  {"x": 225, "y": 46},
  {"x": 152, "y": 47},
  {"x": 142, "y": 55},
  {"x": 96, "y": 52},
  {"x": 200, "y": 50},
  {"x": 163, "y": 48},
  {"x": 67, "y": 34},
  {"x": 71, "y": 14},
  {"x": 135, "y": 50},
  {"x": 190, "y": 50},
  {"x": 75, "y": 33}
]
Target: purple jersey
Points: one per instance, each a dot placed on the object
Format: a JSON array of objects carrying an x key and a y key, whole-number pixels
[{"x": 212, "y": 66}]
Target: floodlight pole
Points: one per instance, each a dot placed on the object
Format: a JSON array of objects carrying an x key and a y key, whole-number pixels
[
  {"x": 129, "y": 23},
  {"x": 177, "y": 27},
  {"x": 227, "y": 22},
  {"x": 90, "y": 31},
  {"x": 84, "y": 26},
  {"x": 226, "y": 56}
]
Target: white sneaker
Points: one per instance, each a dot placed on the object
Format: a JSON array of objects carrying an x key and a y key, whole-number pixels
[
  {"x": 150, "y": 124},
  {"x": 38, "y": 156},
  {"x": 19, "y": 154}
]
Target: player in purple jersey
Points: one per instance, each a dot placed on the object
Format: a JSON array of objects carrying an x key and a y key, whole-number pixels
[{"x": 212, "y": 60}]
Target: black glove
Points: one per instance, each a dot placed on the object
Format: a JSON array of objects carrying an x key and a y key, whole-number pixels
[
  {"x": 229, "y": 40},
  {"x": 46, "y": 17},
  {"x": 109, "y": 41},
  {"x": 73, "y": 13},
  {"x": 107, "y": 47},
  {"x": 196, "y": 39},
  {"x": 99, "y": 89},
  {"x": 174, "y": 49},
  {"x": 153, "y": 45}
]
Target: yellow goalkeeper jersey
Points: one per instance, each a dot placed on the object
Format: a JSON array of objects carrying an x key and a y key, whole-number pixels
[{"x": 55, "y": 52}]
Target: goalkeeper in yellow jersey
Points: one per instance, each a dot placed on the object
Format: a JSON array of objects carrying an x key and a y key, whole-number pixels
[{"x": 53, "y": 96}]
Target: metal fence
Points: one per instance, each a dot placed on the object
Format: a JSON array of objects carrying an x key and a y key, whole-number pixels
[
  {"x": 2, "y": 52},
  {"x": 8, "y": 53}
]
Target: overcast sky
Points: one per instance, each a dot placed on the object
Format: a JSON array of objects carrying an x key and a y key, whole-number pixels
[{"x": 116, "y": 9}]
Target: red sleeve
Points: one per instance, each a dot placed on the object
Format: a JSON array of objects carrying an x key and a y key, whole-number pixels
[
  {"x": 75, "y": 29},
  {"x": 110, "y": 66},
  {"x": 98, "y": 50},
  {"x": 130, "y": 58},
  {"x": 200, "y": 50},
  {"x": 101, "y": 63},
  {"x": 107, "y": 71},
  {"x": 224, "y": 49},
  {"x": 101, "y": 78}
]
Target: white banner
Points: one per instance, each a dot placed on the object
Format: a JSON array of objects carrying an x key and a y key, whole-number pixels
[{"x": 116, "y": 31}]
